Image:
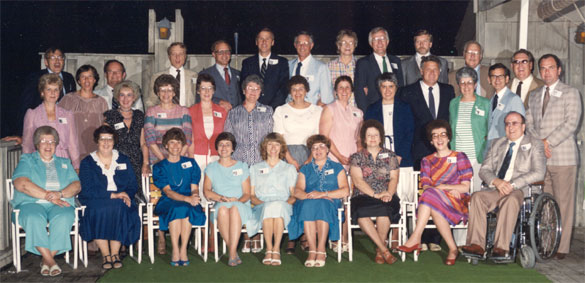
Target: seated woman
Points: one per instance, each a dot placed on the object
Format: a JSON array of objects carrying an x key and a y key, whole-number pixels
[
  {"x": 45, "y": 187},
  {"x": 178, "y": 208},
  {"x": 374, "y": 172},
  {"x": 320, "y": 187},
  {"x": 108, "y": 186},
  {"x": 273, "y": 182},
  {"x": 445, "y": 177},
  {"x": 227, "y": 182}
]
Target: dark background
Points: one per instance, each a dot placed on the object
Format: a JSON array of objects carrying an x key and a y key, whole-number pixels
[{"x": 122, "y": 27}]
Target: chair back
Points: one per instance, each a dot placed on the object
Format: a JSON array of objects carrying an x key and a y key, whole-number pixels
[
  {"x": 151, "y": 192},
  {"x": 9, "y": 189}
]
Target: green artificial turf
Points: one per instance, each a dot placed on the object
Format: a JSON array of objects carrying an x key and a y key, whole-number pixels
[{"x": 429, "y": 268}]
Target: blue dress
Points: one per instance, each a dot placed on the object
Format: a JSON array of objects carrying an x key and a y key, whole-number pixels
[
  {"x": 106, "y": 218},
  {"x": 272, "y": 186},
  {"x": 317, "y": 209},
  {"x": 179, "y": 176},
  {"x": 227, "y": 181}
]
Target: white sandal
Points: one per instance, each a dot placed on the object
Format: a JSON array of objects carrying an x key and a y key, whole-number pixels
[
  {"x": 55, "y": 268},
  {"x": 45, "y": 268},
  {"x": 321, "y": 263},
  {"x": 276, "y": 261},
  {"x": 267, "y": 261},
  {"x": 310, "y": 263},
  {"x": 256, "y": 248},
  {"x": 246, "y": 247}
]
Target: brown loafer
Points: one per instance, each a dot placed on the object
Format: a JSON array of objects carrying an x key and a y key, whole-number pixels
[
  {"x": 497, "y": 252},
  {"x": 473, "y": 249},
  {"x": 560, "y": 256},
  {"x": 379, "y": 258}
]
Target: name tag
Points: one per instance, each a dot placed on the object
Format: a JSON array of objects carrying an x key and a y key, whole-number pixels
[
  {"x": 310, "y": 78},
  {"x": 194, "y": 80},
  {"x": 273, "y": 61},
  {"x": 186, "y": 165},
  {"x": 557, "y": 93},
  {"x": 64, "y": 166},
  {"x": 328, "y": 172},
  {"x": 217, "y": 114},
  {"x": 356, "y": 114},
  {"x": 161, "y": 115},
  {"x": 237, "y": 172},
  {"x": 383, "y": 155},
  {"x": 394, "y": 65},
  {"x": 479, "y": 112},
  {"x": 526, "y": 147},
  {"x": 501, "y": 106},
  {"x": 120, "y": 125},
  {"x": 261, "y": 108},
  {"x": 62, "y": 120},
  {"x": 452, "y": 159},
  {"x": 264, "y": 170},
  {"x": 121, "y": 166}
]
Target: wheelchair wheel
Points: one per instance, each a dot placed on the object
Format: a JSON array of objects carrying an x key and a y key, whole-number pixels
[
  {"x": 527, "y": 258},
  {"x": 545, "y": 227}
]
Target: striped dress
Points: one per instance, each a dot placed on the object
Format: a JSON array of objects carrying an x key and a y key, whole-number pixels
[
  {"x": 464, "y": 133},
  {"x": 449, "y": 170},
  {"x": 158, "y": 121}
]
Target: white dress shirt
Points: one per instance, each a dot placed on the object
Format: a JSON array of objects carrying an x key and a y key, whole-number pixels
[
  {"x": 305, "y": 65},
  {"x": 551, "y": 91},
  {"x": 418, "y": 58},
  {"x": 380, "y": 65},
  {"x": 525, "y": 86},
  {"x": 515, "y": 149},
  {"x": 260, "y": 58},
  {"x": 388, "y": 114},
  {"x": 173, "y": 72},
  {"x": 436, "y": 95}
]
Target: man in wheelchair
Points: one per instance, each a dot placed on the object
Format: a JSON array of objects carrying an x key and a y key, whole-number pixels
[{"x": 512, "y": 163}]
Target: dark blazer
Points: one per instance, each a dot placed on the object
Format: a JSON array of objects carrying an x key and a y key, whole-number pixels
[
  {"x": 274, "y": 92},
  {"x": 223, "y": 91},
  {"x": 403, "y": 125},
  {"x": 366, "y": 73},
  {"x": 413, "y": 95},
  {"x": 31, "y": 98}
]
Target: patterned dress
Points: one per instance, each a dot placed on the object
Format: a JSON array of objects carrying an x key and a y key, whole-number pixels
[
  {"x": 158, "y": 121},
  {"x": 449, "y": 170}
]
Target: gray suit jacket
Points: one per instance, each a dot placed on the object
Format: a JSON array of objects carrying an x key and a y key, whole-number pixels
[
  {"x": 529, "y": 166},
  {"x": 230, "y": 93},
  {"x": 487, "y": 90},
  {"x": 411, "y": 70},
  {"x": 190, "y": 79},
  {"x": 559, "y": 125}
]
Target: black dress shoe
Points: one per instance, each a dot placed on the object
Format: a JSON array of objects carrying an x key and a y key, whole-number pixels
[
  {"x": 560, "y": 256},
  {"x": 473, "y": 249}
]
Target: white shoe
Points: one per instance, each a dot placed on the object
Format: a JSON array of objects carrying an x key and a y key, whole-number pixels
[
  {"x": 434, "y": 247},
  {"x": 246, "y": 247},
  {"x": 424, "y": 247}
]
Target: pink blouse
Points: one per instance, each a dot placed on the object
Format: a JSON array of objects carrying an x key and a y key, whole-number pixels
[{"x": 344, "y": 131}]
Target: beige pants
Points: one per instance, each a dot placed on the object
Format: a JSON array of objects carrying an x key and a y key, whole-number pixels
[{"x": 559, "y": 181}]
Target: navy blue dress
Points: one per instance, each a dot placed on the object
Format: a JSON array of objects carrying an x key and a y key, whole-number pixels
[
  {"x": 106, "y": 218},
  {"x": 179, "y": 176}
]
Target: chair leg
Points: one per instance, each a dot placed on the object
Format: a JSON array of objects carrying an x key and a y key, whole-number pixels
[
  {"x": 215, "y": 244},
  {"x": 15, "y": 248},
  {"x": 150, "y": 235}
]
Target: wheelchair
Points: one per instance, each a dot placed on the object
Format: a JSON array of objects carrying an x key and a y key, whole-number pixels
[{"x": 537, "y": 233}]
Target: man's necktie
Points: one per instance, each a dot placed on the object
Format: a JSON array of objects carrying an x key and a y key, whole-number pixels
[
  {"x": 227, "y": 75},
  {"x": 384, "y": 66},
  {"x": 263, "y": 68},
  {"x": 519, "y": 89},
  {"x": 115, "y": 104},
  {"x": 495, "y": 103},
  {"x": 545, "y": 100},
  {"x": 177, "y": 97},
  {"x": 432, "y": 103},
  {"x": 298, "y": 72},
  {"x": 506, "y": 163}
]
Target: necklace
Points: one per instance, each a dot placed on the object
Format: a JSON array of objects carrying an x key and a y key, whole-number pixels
[{"x": 174, "y": 180}]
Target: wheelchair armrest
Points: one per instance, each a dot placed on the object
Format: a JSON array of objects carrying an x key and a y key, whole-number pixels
[{"x": 539, "y": 183}]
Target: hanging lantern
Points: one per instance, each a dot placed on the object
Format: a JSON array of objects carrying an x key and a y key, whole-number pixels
[{"x": 164, "y": 29}]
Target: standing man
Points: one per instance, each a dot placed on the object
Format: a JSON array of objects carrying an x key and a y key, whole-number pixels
[
  {"x": 315, "y": 71},
  {"x": 272, "y": 68},
  {"x": 423, "y": 41},
  {"x": 31, "y": 98},
  {"x": 227, "y": 79},
  {"x": 554, "y": 112},
  {"x": 177, "y": 52},
  {"x": 115, "y": 72},
  {"x": 503, "y": 102},
  {"x": 369, "y": 68},
  {"x": 472, "y": 54},
  {"x": 524, "y": 82}
]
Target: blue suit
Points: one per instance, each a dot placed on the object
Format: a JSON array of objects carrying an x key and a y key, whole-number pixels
[
  {"x": 366, "y": 73},
  {"x": 509, "y": 102},
  {"x": 231, "y": 92},
  {"x": 319, "y": 80},
  {"x": 403, "y": 125},
  {"x": 274, "y": 92}
]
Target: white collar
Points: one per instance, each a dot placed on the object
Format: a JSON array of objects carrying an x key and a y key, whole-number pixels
[{"x": 109, "y": 173}]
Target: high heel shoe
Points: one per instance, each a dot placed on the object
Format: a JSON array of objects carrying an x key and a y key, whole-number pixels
[
  {"x": 452, "y": 260},
  {"x": 310, "y": 263},
  {"x": 388, "y": 257},
  {"x": 320, "y": 262},
  {"x": 409, "y": 249}
]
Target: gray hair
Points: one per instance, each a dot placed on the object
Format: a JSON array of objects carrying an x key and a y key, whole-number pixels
[
  {"x": 252, "y": 79},
  {"x": 304, "y": 33},
  {"x": 45, "y": 130},
  {"x": 470, "y": 42},
  {"x": 375, "y": 30},
  {"x": 386, "y": 77},
  {"x": 127, "y": 84},
  {"x": 466, "y": 72}
]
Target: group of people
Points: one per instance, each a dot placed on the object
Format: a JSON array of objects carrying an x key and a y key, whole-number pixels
[{"x": 274, "y": 151}]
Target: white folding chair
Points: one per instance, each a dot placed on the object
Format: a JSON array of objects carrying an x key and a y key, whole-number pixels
[
  {"x": 414, "y": 206},
  {"x": 153, "y": 224},
  {"x": 17, "y": 232}
]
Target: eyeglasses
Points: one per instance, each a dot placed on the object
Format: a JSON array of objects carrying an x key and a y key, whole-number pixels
[
  {"x": 440, "y": 135},
  {"x": 497, "y": 77},
  {"x": 318, "y": 147},
  {"x": 472, "y": 52},
  {"x": 303, "y": 43},
  {"x": 520, "y": 62},
  {"x": 380, "y": 38},
  {"x": 347, "y": 43},
  {"x": 57, "y": 58},
  {"x": 206, "y": 88},
  {"x": 166, "y": 89},
  {"x": 106, "y": 139},
  {"x": 223, "y": 52},
  {"x": 466, "y": 82},
  {"x": 513, "y": 124},
  {"x": 49, "y": 142},
  {"x": 254, "y": 89}
]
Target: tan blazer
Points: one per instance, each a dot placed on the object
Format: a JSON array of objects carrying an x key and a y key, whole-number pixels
[
  {"x": 190, "y": 80},
  {"x": 487, "y": 90}
]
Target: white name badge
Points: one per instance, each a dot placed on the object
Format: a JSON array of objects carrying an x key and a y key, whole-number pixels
[
  {"x": 383, "y": 155},
  {"x": 161, "y": 115},
  {"x": 237, "y": 172},
  {"x": 273, "y": 61},
  {"x": 264, "y": 170},
  {"x": 328, "y": 172},
  {"x": 62, "y": 120},
  {"x": 356, "y": 114},
  {"x": 452, "y": 159},
  {"x": 557, "y": 93},
  {"x": 479, "y": 112},
  {"x": 394, "y": 65},
  {"x": 310, "y": 78},
  {"x": 261, "y": 108},
  {"x": 121, "y": 167},
  {"x": 194, "y": 80},
  {"x": 120, "y": 125},
  {"x": 501, "y": 106},
  {"x": 217, "y": 114},
  {"x": 186, "y": 165},
  {"x": 526, "y": 147},
  {"x": 64, "y": 166}
]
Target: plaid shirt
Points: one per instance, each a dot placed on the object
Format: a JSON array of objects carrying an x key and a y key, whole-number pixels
[{"x": 337, "y": 69}]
